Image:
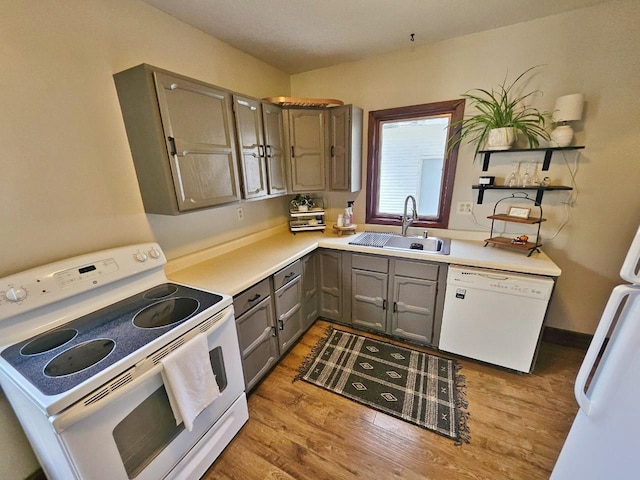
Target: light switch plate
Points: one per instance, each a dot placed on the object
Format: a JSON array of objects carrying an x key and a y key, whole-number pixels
[{"x": 465, "y": 208}]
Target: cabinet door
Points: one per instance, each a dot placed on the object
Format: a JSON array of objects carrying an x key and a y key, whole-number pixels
[
  {"x": 368, "y": 301},
  {"x": 330, "y": 264},
  {"x": 248, "y": 117},
  {"x": 412, "y": 311},
  {"x": 257, "y": 336},
  {"x": 309, "y": 290},
  {"x": 289, "y": 313},
  {"x": 345, "y": 138},
  {"x": 274, "y": 149},
  {"x": 339, "y": 137},
  {"x": 307, "y": 149},
  {"x": 198, "y": 128}
]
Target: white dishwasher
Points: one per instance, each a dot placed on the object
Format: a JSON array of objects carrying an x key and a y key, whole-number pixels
[{"x": 494, "y": 316}]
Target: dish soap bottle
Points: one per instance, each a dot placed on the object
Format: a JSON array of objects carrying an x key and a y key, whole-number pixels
[{"x": 348, "y": 214}]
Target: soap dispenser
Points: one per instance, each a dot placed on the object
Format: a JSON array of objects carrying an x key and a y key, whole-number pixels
[{"x": 348, "y": 214}]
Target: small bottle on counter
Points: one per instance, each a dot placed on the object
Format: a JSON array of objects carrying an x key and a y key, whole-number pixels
[
  {"x": 340, "y": 221},
  {"x": 348, "y": 214}
]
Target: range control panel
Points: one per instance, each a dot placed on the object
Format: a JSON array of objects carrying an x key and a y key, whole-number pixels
[{"x": 40, "y": 286}]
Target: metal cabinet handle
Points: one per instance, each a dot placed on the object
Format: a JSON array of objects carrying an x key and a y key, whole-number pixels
[
  {"x": 172, "y": 144},
  {"x": 332, "y": 151},
  {"x": 384, "y": 303},
  {"x": 281, "y": 323},
  {"x": 395, "y": 307},
  {"x": 274, "y": 331},
  {"x": 293, "y": 154},
  {"x": 261, "y": 150},
  {"x": 269, "y": 151},
  {"x": 255, "y": 297}
]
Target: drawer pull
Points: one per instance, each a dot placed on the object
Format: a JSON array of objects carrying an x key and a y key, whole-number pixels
[
  {"x": 274, "y": 331},
  {"x": 255, "y": 297},
  {"x": 384, "y": 304},
  {"x": 281, "y": 323}
]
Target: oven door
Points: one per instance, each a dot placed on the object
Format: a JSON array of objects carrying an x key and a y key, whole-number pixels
[{"x": 132, "y": 433}]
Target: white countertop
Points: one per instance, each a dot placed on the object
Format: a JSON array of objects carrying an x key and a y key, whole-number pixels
[{"x": 236, "y": 266}]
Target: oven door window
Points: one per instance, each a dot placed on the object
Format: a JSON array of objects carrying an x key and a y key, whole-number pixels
[{"x": 151, "y": 426}]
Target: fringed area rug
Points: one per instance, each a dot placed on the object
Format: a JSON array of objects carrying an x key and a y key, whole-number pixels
[{"x": 417, "y": 387}]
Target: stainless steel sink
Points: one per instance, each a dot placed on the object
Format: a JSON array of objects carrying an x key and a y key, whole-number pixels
[
  {"x": 398, "y": 242},
  {"x": 427, "y": 245}
]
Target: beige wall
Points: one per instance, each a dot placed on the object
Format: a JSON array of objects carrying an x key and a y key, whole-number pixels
[
  {"x": 594, "y": 51},
  {"x": 67, "y": 182},
  {"x": 67, "y": 178}
]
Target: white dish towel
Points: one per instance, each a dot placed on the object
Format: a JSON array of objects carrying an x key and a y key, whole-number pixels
[{"x": 189, "y": 380}]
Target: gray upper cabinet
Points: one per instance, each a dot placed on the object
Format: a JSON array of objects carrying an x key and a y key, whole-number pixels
[
  {"x": 251, "y": 146},
  {"x": 182, "y": 140},
  {"x": 307, "y": 142},
  {"x": 345, "y": 151},
  {"x": 272, "y": 118}
]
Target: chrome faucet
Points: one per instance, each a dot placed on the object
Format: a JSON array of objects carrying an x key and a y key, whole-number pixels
[{"x": 406, "y": 221}]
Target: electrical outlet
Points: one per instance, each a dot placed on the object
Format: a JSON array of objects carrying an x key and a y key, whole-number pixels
[
  {"x": 465, "y": 208},
  {"x": 240, "y": 213}
]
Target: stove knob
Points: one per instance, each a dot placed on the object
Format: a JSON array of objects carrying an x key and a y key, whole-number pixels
[
  {"x": 16, "y": 294},
  {"x": 140, "y": 256},
  {"x": 154, "y": 253}
]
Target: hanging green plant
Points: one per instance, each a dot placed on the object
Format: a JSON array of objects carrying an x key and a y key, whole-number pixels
[{"x": 502, "y": 108}]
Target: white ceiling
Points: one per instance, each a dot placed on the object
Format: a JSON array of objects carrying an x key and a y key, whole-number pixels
[{"x": 302, "y": 35}]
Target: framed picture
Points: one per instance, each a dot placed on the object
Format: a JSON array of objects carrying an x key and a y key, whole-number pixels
[{"x": 519, "y": 212}]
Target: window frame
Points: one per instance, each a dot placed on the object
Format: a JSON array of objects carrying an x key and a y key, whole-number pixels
[{"x": 455, "y": 108}]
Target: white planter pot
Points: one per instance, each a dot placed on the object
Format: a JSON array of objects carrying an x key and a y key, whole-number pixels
[
  {"x": 303, "y": 208},
  {"x": 500, "y": 138}
]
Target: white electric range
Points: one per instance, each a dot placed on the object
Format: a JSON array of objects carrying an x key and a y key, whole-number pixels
[{"x": 80, "y": 363}]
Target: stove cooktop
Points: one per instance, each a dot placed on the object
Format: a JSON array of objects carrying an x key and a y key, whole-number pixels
[{"x": 62, "y": 358}]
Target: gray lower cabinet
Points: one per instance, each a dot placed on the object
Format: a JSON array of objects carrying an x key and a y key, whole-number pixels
[
  {"x": 182, "y": 140},
  {"x": 287, "y": 284},
  {"x": 257, "y": 333},
  {"x": 331, "y": 283},
  {"x": 395, "y": 296},
  {"x": 369, "y": 299},
  {"x": 309, "y": 289}
]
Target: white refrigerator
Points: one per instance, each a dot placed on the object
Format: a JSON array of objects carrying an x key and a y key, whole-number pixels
[{"x": 603, "y": 442}]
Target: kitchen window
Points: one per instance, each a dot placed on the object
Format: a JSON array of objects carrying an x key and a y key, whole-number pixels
[{"x": 409, "y": 155}]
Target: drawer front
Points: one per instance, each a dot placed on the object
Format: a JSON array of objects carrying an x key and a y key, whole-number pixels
[
  {"x": 251, "y": 297},
  {"x": 370, "y": 263},
  {"x": 426, "y": 271},
  {"x": 287, "y": 274}
]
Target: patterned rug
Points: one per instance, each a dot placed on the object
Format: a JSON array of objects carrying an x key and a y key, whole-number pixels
[{"x": 417, "y": 387}]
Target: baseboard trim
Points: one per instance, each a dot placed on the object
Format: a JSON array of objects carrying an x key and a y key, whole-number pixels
[{"x": 566, "y": 338}]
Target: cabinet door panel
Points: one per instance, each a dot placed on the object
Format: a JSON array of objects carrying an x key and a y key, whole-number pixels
[
  {"x": 413, "y": 308},
  {"x": 203, "y": 179},
  {"x": 308, "y": 150},
  {"x": 198, "y": 129},
  {"x": 368, "y": 305},
  {"x": 330, "y": 264},
  {"x": 309, "y": 290},
  {"x": 274, "y": 145},
  {"x": 258, "y": 345},
  {"x": 289, "y": 313},
  {"x": 339, "y": 167},
  {"x": 248, "y": 117}
]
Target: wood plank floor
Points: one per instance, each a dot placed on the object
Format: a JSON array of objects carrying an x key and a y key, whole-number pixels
[{"x": 299, "y": 431}]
